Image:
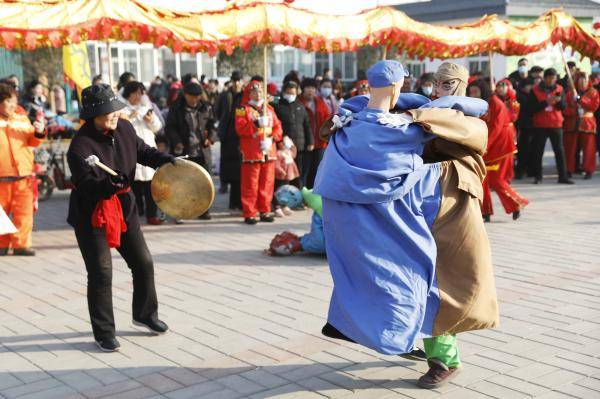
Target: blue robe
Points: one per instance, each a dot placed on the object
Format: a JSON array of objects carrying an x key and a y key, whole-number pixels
[{"x": 379, "y": 203}]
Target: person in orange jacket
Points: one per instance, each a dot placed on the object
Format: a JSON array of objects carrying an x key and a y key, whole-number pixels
[
  {"x": 580, "y": 125},
  {"x": 17, "y": 137},
  {"x": 258, "y": 135}
]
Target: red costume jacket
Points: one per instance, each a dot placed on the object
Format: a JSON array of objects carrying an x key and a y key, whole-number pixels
[
  {"x": 589, "y": 101},
  {"x": 317, "y": 119},
  {"x": 250, "y": 134},
  {"x": 501, "y": 132},
  {"x": 550, "y": 117}
]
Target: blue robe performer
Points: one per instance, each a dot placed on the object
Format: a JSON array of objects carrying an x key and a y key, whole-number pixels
[{"x": 382, "y": 206}]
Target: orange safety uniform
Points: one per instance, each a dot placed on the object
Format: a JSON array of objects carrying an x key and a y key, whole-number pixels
[
  {"x": 17, "y": 138},
  {"x": 258, "y": 166}
]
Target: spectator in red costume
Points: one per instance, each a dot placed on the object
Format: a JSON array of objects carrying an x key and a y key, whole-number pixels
[
  {"x": 318, "y": 114},
  {"x": 500, "y": 150},
  {"x": 580, "y": 125},
  {"x": 258, "y": 133}
]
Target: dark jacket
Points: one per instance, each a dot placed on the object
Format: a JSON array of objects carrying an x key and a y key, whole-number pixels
[
  {"x": 120, "y": 151},
  {"x": 231, "y": 159},
  {"x": 526, "y": 110},
  {"x": 295, "y": 123},
  {"x": 178, "y": 127}
]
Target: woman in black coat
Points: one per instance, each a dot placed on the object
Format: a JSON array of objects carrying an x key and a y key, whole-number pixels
[{"x": 103, "y": 213}]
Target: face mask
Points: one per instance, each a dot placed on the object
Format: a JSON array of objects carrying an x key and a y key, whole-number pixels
[
  {"x": 256, "y": 103},
  {"x": 427, "y": 90},
  {"x": 326, "y": 91},
  {"x": 522, "y": 69},
  {"x": 290, "y": 98}
]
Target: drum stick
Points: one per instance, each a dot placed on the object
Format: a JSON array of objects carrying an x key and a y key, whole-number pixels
[{"x": 93, "y": 160}]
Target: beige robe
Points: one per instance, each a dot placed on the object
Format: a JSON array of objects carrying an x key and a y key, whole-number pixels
[{"x": 464, "y": 269}]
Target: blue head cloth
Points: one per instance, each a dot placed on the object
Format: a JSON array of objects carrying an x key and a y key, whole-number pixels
[{"x": 386, "y": 73}]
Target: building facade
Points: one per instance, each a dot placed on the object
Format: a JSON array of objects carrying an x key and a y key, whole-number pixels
[{"x": 517, "y": 12}]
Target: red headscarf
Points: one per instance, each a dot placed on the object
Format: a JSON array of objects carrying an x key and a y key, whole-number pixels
[{"x": 248, "y": 88}]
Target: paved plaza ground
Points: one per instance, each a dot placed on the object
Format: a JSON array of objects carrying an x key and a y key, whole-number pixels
[{"x": 244, "y": 325}]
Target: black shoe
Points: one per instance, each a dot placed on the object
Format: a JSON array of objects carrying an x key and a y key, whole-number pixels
[
  {"x": 154, "y": 326},
  {"x": 330, "y": 331},
  {"x": 516, "y": 215},
  {"x": 3, "y": 251},
  {"x": 109, "y": 345},
  {"x": 205, "y": 216},
  {"x": 537, "y": 180},
  {"x": 587, "y": 176},
  {"x": 250, "y": 221},
  {"x": 487, "y": 218},
  {"x": 23, "y": 252},
  {"x": 569, "y": 175},
  {"x": 565, "y": 180},
  {"x": 415, "y": 354},
  {"x": 267, "y": 217}
]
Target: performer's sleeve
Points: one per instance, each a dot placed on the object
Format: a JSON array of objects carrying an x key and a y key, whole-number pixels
[
  {"x": 590, "y": 103},
  {"x": 453, "y": 126},
  {"x": 244, "y": 125},
  {"x": 277, "y": 131},
  {"x": 497, "y": 121},
  {"x": 88, "y": 182},
  {"x": 150, "y": 156}
]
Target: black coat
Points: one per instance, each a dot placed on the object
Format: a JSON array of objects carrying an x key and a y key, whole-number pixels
[
  {"x": 231, "y": 159},
  {"x": 295, "y": 123},
  {"x": 120, "y": 151},
  {"x": 527, "y": 103},
  {"x": 178, "y": 130}
]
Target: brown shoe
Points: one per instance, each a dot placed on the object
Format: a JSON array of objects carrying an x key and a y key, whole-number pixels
[
  {"x": 438, "y": 375},
  {"x": 155, "y": 221}
]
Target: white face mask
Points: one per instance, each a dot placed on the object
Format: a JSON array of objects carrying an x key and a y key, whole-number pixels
[
  {"x": 290, "y": 98},
  {"x": 326, "y": 91},
  {"x": 256, "y": 103},
  {"x": 522, "y": 69},
  {"x": 427, "y": 90}
]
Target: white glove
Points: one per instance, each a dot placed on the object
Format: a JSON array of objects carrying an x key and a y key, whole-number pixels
[
  {"x": 395, "y": 120},
  {"x": 265, "y": 144},
  {"x": 264, "y": 121}
]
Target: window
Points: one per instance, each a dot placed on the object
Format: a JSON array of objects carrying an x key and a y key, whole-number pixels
[
  {"x": 130, "y": 61},
  {"x": 146, "y": 65},
  {"x": 114, "y": 53},
  {"x": 168, "y": 62},
  {"x": 188, "y": 64},
  {"x": 321, "y": 62},
  {"x": 479, "y": 63},
  {"x": 208, "y": 66},
  {"x": 350, "y": 66},
  {"x": 305, "y": 63},
  {"x": 288, "y": 60}
]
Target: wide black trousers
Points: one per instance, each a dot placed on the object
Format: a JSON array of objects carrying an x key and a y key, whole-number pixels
[
  {"x": 540, "y": 136},
  {"x": 98, "y": 262}
]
